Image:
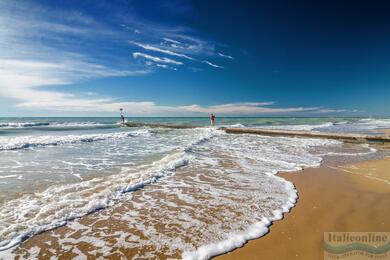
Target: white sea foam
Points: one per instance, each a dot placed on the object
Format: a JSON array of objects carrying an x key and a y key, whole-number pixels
[
  {"x": 22, "y": 124},
  {"x": 238, "y": 239},
  {"x": 22, "y": 142},
  {"x": 235, "y": 126},
  {"x": 341, "y": 123},
  {"x": 34, "y": 213},
  {"x": 79, "y": 124},
  {"x": 370, "y": 150},
  {"x": 8, "y": 176},
  {"x": 366, "y": 125},
  {"x": 372, "y": 123},
  {"x": 299, "y": 127},
  {"x": 59, "y": 125},
  {"x": 359, "y": 126}
]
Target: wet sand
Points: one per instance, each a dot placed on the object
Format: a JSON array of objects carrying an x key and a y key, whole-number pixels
[
  {"x": 386, "y": 132},
  {"x": 330, "y": 199}
]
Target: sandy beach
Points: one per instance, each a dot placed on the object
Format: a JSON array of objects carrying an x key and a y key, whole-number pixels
[{"x": 349, "y": 198}]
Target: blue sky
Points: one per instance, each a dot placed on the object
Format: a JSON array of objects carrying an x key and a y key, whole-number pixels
[{"x": 191, "y": 58}]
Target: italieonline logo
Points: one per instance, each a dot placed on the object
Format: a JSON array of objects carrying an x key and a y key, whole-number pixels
[{"x": 357, "y": 245}]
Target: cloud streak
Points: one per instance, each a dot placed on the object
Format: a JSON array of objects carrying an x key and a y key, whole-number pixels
[
  {"x": 225, "y": 56},
  {"x": 155, "y": 58},
  {"x": 212, "y": 64},
  {"x": 246, "y": 108},
  {"x": 171, "y": 41},
  {"x": 157, "y": 49}
]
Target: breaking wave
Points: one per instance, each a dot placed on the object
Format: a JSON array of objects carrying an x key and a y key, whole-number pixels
[{"x": 23, "y": 142}]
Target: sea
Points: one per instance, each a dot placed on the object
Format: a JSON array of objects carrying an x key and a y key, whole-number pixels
[{"x": 153, "y": 192}]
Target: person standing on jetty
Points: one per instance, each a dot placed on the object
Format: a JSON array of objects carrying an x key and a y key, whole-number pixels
[
  {"x": 212, "y": 119},
  {"x": 122, "y": 117}
]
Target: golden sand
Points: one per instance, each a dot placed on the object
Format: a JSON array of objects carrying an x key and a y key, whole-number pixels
[
  {"x": 329, "y": 200},
  {"x": 375, "y": 171}
]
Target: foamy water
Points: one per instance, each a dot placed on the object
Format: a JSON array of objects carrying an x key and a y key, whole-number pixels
[
  {"x": 189, "y": 194},
  {"x": 49, "y": 125},
  {"x": 23, "y": 142}
]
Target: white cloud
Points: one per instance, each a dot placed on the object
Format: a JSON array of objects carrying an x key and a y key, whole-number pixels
[
  {"x": 327, "y": 110},
  {"x": 225, "y": 56},
  {"x": 162, "y": 66},
  {"x": 156, "y": 49},
  {"x": 212, "y": 64},
  {"x": 150, "y": 108},
  {"x": 171, "y": 41},
  {"x": 155, "y": 58},
  {"x": 246, "y": 108},
  {"x": 22, "y": 81},
  {"x": 192, "y": 45}
]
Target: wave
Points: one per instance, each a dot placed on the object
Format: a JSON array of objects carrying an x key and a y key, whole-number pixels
[
  {"x": 54, "y": 125},
  {"x": 364, "y": 126},
  {"x": 371, "y": 150},
  {"x": 22, "y": 124},
  {"x": 80, "y": 124},
  {"x": 79, "y": 199},
  {"x": 238, "y": 125},
  {"x": 341, "y": 123},
  {"x": 299, "y": 127},
  {"x": 374, "y": 123},
  {"x": 23, "y": 142},
  {"x": 238, "y": 239}
]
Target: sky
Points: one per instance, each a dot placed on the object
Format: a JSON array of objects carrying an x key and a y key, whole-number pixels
[{"x": 192, "y": 58}]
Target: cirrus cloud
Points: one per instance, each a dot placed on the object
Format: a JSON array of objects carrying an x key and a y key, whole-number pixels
[{"x": 155, "y": 58}]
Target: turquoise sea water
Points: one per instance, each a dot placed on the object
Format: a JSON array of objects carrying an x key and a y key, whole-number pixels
[
  {"x": 193, "y": 120},
  {"x": 248, "y": 121}
]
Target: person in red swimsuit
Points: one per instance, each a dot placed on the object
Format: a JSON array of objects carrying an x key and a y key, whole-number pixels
[{"x": 212, "y": 119}]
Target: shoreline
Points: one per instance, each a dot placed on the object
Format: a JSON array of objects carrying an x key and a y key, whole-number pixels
[
  {"x": 330, "y": 199},
  {"x": 363, "y": 207},
  {"x": 312, "y": 184}
]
